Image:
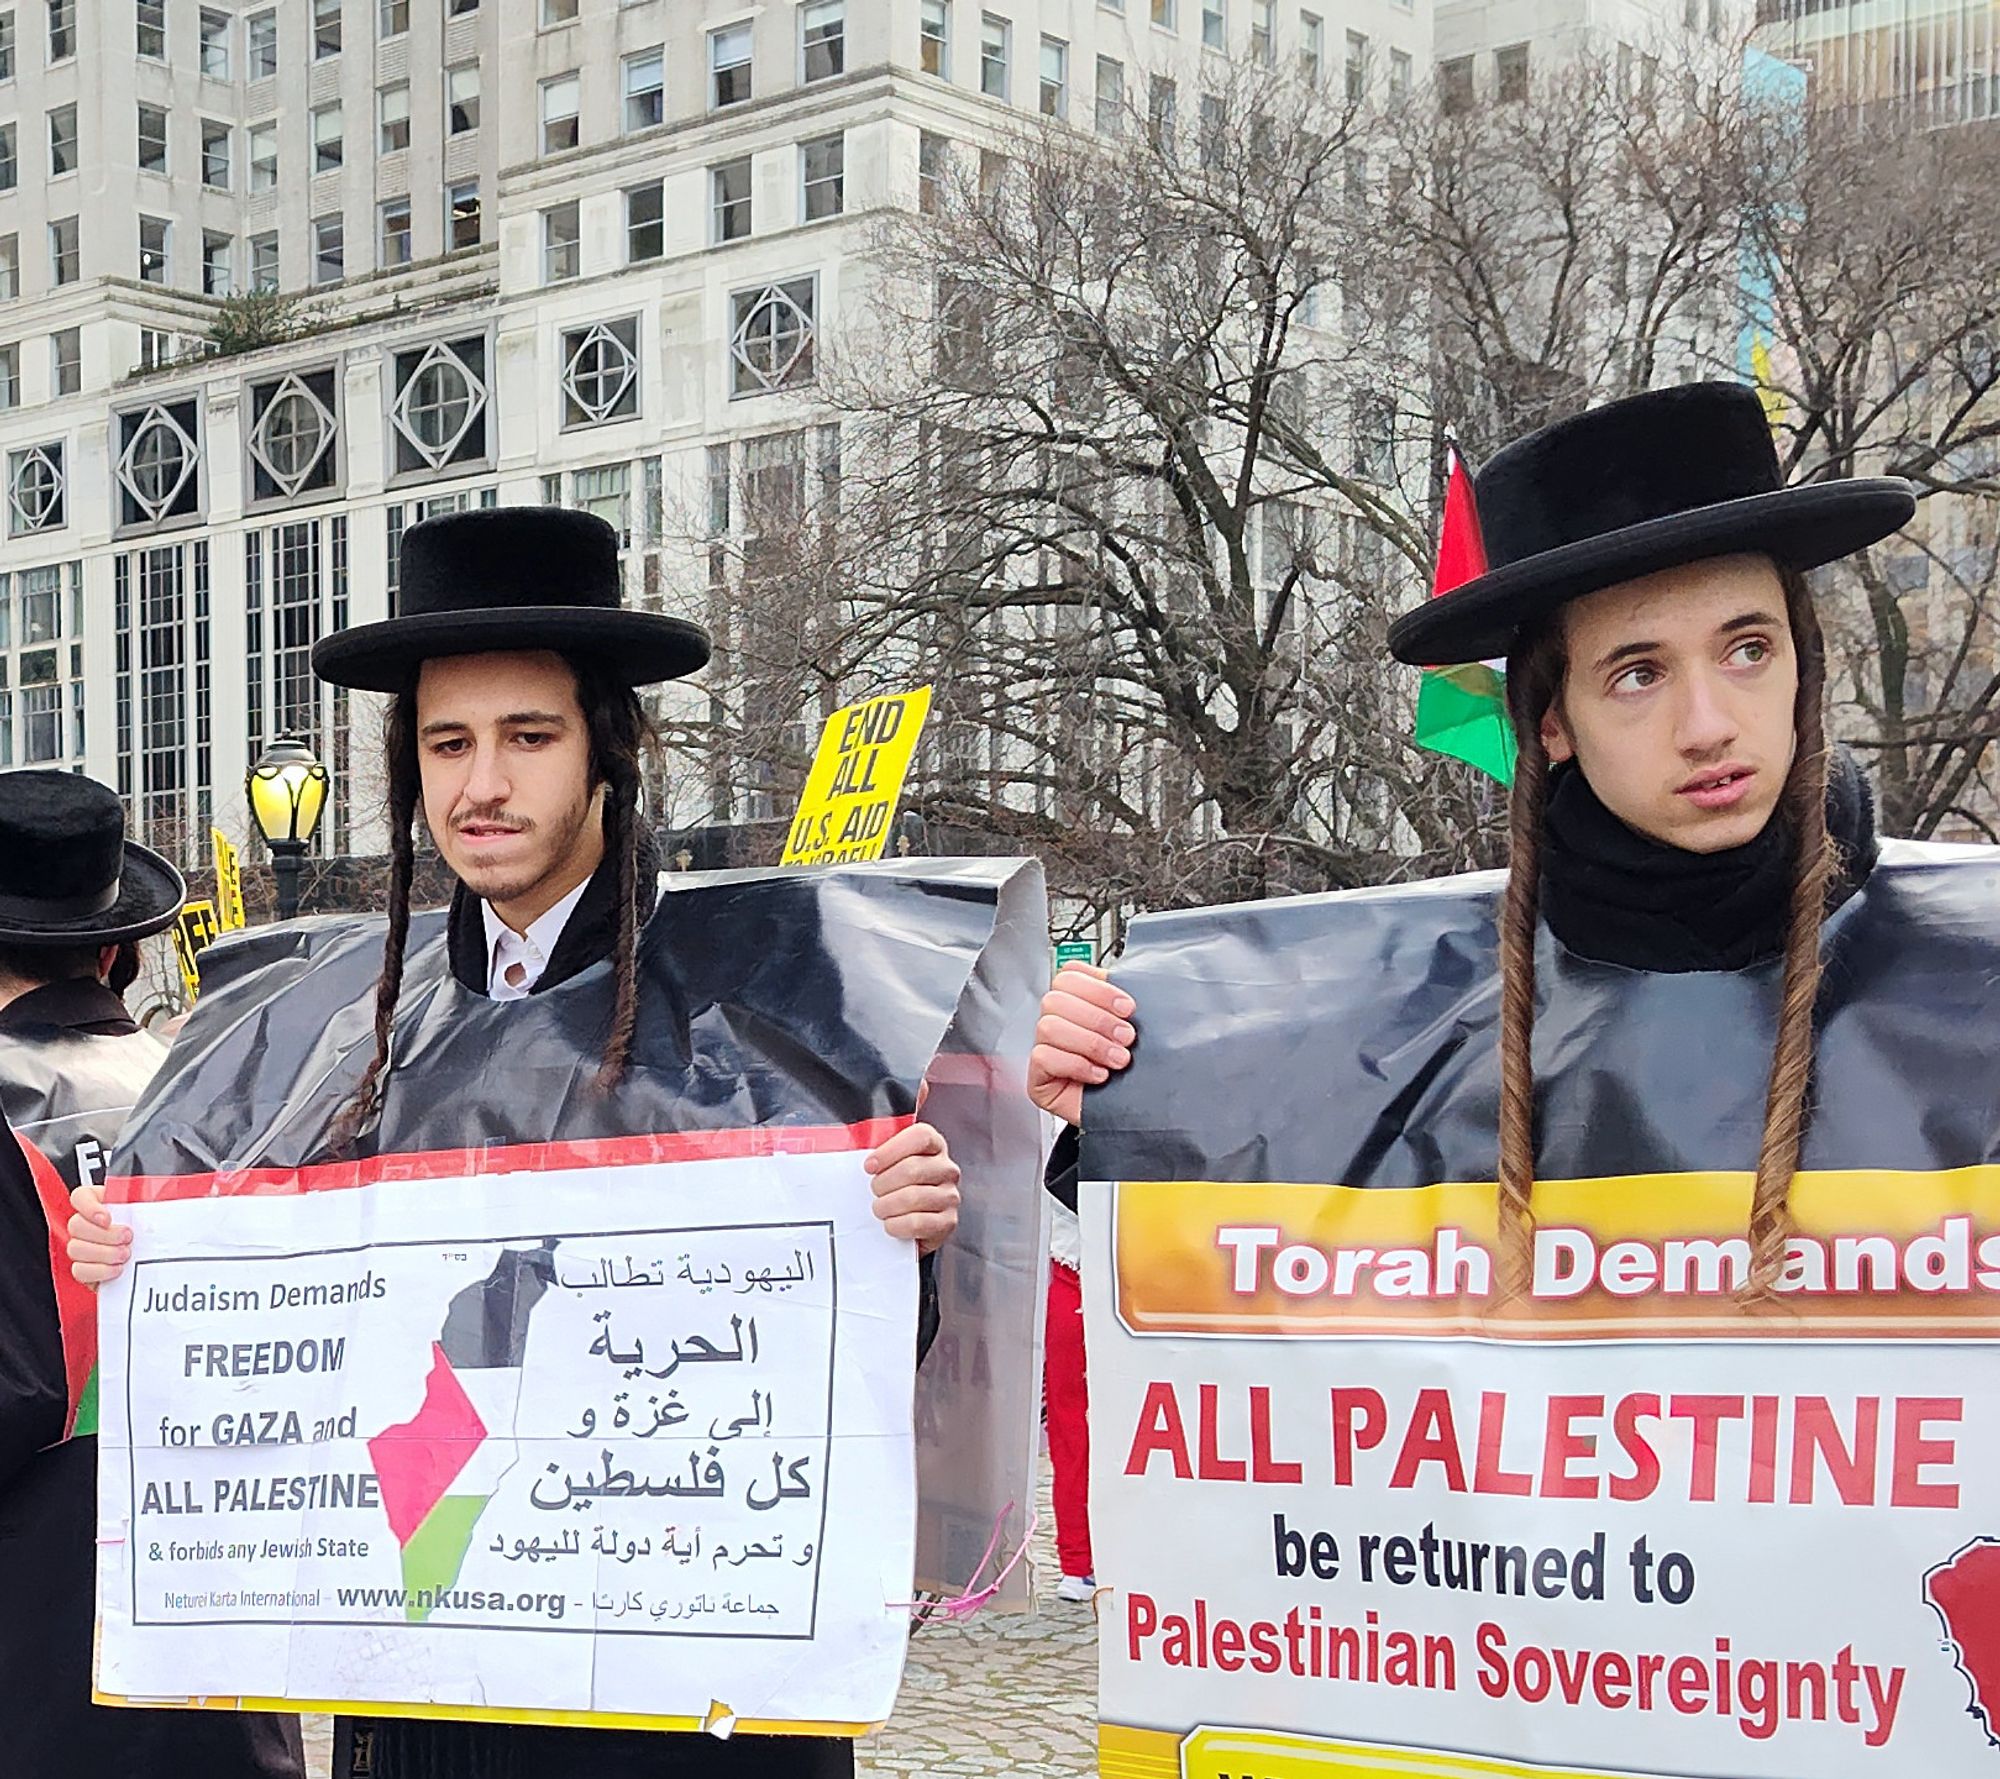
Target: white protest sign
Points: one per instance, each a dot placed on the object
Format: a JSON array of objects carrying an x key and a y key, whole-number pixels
[
  {"x": 1357, "y": 1517},
  {"x": 627, "y": 1437}
]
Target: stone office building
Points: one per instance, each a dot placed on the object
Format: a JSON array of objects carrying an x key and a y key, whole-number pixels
[{"x": 574, "y": 250}]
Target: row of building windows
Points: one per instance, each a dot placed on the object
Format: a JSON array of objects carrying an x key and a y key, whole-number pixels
[
  {"x": 1638, "y": 72},
  {"x": 731, "y": 209},
  {"x": 820, "y": 50},
  {"x": 440, "y": 414},
  {"x": 1052, "y": 92},
  {"x": 153, "y": 130},
  {"x": 822, "y": 194},
  {"x": 643, "y": 95},
  {"x": 216, "y": 33},
  {"x": 154, "y": 262},
  {"x": 822, "y": 54},
  {"x": 994, "y": 62},
  {"x": 821, "y": 28},
  {"x": 821, "y": 40}
]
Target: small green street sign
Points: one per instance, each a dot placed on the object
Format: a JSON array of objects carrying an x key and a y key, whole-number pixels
[{"x": 1076, "y": 951}]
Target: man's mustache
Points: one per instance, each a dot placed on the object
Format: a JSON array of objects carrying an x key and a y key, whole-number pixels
[{"x": 492, "y": 818}]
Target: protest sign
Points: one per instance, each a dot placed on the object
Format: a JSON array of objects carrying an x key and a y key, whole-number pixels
[
  {"x": 857, "y": 776},
  {"x": 1363, "y": 1514},
  {"x": 608, "y": 1422},
  {"x": 228, "y": 883},
  {"x": 579, "y": 1458},
  {"x": 194, "y": 931}
]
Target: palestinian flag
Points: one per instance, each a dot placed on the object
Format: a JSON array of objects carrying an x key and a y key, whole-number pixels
[
  {"x": 76, "y": 1305},
  {"x": 1462, "y": 711},
  {"x": 438, "y": 1469}
]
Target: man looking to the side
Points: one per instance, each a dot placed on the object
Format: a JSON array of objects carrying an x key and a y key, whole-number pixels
[{"x": 1676, "y": 806}]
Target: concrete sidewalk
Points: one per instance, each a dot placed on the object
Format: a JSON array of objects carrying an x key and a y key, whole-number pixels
[{"x": 999, "y": 1696}]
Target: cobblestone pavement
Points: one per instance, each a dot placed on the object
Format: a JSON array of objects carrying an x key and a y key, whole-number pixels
[{"x": 1000, "y": 1696}]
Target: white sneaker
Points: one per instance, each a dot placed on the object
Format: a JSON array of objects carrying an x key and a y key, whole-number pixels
[{"x": 1079, "y": 1590}]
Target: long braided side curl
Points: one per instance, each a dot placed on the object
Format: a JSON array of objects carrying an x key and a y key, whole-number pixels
[
  {"x": 1534, "y": 681},
  {"x": 1788, "y": 1105},
  {"x": 1535, "y": 672},
  {"x": 620, "y": 736},
  {"x": 399, "y": 759}
]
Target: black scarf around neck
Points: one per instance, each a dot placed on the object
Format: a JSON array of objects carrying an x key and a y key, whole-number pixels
[
  {"x": 1614, "y": 896},
  {"x": 589, "y": 934}
]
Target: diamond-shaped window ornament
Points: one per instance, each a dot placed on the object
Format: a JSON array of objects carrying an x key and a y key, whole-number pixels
[
  {"x": 773, "y": 338},
  {"x": 438, "y": 405},
  {"x": 37, "y": 489},
  {"x": 292, "y": 434},
  {"x": 599, "y": 372},
  {"x": 157, "y": 462}
]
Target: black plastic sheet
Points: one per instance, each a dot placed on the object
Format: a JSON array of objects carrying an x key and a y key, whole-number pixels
[
  {"x": 1351, "y": 1039},
  {"x": 765, "y": 999}
]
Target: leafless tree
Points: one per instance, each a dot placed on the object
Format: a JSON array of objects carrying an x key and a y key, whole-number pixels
[
  {"x": 1636, "y": 220},
  {"x": 1577, "y": 243},
  {"x": 1141, "y": 433},
  {"x": 1116, "y": 484},
  {"x": 1881, "y": 251}
]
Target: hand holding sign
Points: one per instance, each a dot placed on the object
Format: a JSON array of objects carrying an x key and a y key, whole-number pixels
[{"x": 1084, "y": 1035}]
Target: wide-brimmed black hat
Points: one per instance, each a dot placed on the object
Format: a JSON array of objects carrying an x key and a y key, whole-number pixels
[
  {"x": 510, "y": 578},
  {"x": 68, "y": 875},
  {"x": 1651, "y": 482}
]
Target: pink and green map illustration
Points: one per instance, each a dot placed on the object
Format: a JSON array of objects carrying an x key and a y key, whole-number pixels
[{"x": 438, "y": 1470}]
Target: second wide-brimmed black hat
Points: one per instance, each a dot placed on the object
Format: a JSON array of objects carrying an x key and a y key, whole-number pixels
[
  {"x": 1648, "y": 483},
  {"x": 68, "y": 875},
  {"x": 511, "y": 578}
]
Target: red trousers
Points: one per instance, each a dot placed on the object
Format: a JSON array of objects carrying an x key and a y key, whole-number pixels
[{"x": 1068, "y": 1402}]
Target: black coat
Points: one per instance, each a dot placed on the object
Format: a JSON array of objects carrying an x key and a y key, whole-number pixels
[
  {"x": 48, "y": 1485},
  {"x": 410, "y": 1748}
]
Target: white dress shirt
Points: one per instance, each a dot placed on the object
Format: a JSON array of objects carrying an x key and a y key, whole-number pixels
[{"x": 515, "y": 961}]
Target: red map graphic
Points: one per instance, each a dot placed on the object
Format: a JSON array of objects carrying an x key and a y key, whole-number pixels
[
  {"x": 1965, "y": 1593},
  {"x": 418, "y": 1460}
]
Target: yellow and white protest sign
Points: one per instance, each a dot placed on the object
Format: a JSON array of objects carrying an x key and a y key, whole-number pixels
[
  {"x": 194, "y": 932},
  {"x": 849, "y": 802},
  {"x": 228, "y": 884}
]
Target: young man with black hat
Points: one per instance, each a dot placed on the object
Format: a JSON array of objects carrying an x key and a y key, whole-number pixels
[
  {"x": 75, "y": 897},
  {"x": 517, "y": 727},
  {"x": 1676, "y": 806}
]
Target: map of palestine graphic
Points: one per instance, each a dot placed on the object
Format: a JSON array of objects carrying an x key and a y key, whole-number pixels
[
  {"x": 438, "y": 1470},
  {"x": 1965, "y": 1593}
]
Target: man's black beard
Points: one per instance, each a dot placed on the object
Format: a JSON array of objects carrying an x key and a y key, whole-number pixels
[
  {"x": 587, "y": 937},
  {"x": 571, "y": 823}
]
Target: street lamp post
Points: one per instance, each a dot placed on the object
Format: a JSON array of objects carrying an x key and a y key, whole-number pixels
[{"x": 287, "y": 789}]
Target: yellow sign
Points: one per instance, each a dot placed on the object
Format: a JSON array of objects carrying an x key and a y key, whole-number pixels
[
  {"x": 1222, "y": 1754},
  {"x": 228, "y": 884},
  {"x": 856, "y": 779},
  {"x": 194, "y": 932},
  {"x": 1127, "y": 1753}
]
